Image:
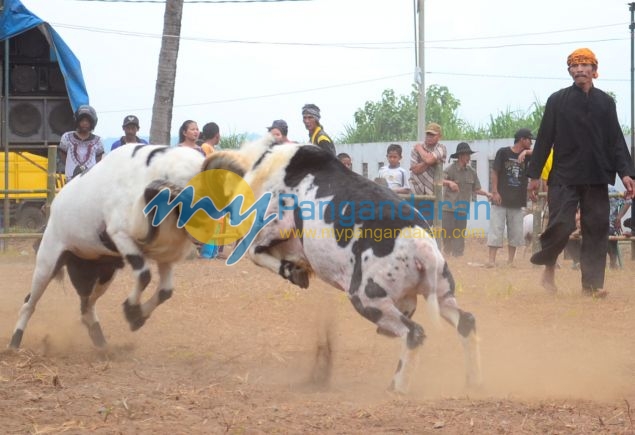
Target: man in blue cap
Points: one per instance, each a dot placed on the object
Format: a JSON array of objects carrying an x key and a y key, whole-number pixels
[{"x": 130, "y": 128}]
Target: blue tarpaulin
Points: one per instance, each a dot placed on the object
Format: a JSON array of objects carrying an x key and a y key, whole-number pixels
[{"x": 16, "y": 18}]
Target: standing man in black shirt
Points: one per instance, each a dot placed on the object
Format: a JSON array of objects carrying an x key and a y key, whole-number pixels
[
  {"x": 509, "y": 196},
  {"x": 580, "y": 124}
]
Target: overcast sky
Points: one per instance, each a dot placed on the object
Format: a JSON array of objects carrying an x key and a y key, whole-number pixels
[{"x": 244, "y": 65}]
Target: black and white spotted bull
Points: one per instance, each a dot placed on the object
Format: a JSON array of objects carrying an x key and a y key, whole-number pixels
[
  {"x": 348, "y": 244},
  {"x": 97, "y": 225}
]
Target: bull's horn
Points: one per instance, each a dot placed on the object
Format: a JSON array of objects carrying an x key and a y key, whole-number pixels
[
  {"x": 228, "y": 160},
  {"x": 150, "y": 192}
]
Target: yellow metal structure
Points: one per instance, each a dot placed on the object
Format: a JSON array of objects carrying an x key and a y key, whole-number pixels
[{"x": 27, "y": 189}]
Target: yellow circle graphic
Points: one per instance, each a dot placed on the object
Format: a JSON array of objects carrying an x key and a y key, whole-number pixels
[{"x": 217, "y": 189}]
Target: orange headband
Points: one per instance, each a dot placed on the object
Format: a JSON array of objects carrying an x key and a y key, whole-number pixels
[{"x": 583, "y": 56}]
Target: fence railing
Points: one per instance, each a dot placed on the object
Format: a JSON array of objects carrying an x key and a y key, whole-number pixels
[
  {"x": 539, "y": 219},
  {"x": 52, "y": 185}
]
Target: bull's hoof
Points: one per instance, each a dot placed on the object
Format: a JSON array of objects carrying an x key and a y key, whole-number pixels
[
  {"x": 415, "y": 337},
  {"x": 294, "y": 273},
  {"x": 164, "y": 295},
  {"x": 137, "y": 324},
  {"x": 133, "y": 315},
  {"x": 16, "y": 339},
  {"x": 387, "y": 333},
  {"x": 475, "y": 386},
  {"x": 400, "y": 390},
  {"x": 96, "y": 335},
  {"x": 321, "y": 374},
  {"x": 9, "y": 351},
  {"x": 300, "y": 277},
  {"x": 467, "y": 323}
]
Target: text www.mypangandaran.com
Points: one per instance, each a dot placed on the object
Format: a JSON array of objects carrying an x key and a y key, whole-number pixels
[{"x": 378, "y": 234}]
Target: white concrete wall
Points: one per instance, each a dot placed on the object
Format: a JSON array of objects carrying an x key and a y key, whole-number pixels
[{"x": 374, "y": 154}]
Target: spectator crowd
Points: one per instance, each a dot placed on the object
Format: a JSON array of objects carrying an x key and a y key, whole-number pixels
[{"x": 574, "y": 158}]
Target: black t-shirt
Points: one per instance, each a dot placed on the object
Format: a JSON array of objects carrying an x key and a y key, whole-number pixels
[{"x": 512, "y": 178}]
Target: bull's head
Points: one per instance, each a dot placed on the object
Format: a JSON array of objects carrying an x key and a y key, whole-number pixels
[{"x": 239, "y": 162}]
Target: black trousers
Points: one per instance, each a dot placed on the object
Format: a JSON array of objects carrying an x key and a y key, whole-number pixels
[
  {"x": 454, "y": 241},
  {"x": 594, "y": 220}
]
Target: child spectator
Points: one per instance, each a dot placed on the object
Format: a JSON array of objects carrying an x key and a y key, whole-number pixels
[
  {"x": 346, "y": 160},
  {"x": 396, "y": 177}
]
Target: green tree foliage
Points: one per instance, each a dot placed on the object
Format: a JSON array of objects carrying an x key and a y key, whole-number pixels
[
  {"x": 394, "y": 118},
  {"x": 505, "y": 124},
  {"x": 233, "y": 140},
  {"x": 442, "y": 107},
  {"x": 390, "y": 119}
]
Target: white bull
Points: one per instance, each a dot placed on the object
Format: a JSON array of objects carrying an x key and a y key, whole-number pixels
[
  {"x": 348, "y": 243},
  {"x": 97, "y": 223}
]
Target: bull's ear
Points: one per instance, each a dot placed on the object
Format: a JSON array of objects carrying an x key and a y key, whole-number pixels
[{"x": 230, "y": 161}]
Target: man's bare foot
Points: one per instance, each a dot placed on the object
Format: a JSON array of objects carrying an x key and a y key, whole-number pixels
[
  {"x": 595, "y": 293},
  {"x": 548, "y": 280},
  {"x": 549, "y": 286}
]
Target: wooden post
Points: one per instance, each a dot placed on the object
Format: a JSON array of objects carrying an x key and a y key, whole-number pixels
[
  {"x": 50, "y": 179},
  {"x": 438, "y": 197}
]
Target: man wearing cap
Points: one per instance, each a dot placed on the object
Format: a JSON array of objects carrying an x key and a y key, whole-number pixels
[
  {"x": 279, "y": 130},
  {"x": 509, "y": 196},
  {"x": 423, "y": 160},
  {"x": 580, "y": 124},
  {"x": 460, "y": 181},
  {"x": 311, "y": 120},
  {"x": 130, "y": 128},
  {"x": 81, "y": 149}
]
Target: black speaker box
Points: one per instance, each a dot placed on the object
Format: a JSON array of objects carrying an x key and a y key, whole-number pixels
[
  {"x": 36, "y": 79},
  {"x": 38, "y": 120},
  {"x": 30, "y": 46}
]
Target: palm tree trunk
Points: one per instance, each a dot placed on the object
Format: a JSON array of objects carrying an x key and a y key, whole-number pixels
[{"x": 166, "y": 75}]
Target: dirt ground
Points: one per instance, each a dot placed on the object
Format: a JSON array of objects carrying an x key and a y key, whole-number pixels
[{"x": 233, "y": 350}]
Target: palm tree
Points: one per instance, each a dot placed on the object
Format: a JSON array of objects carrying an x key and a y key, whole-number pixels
[{"x": 166, "y": 75}]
